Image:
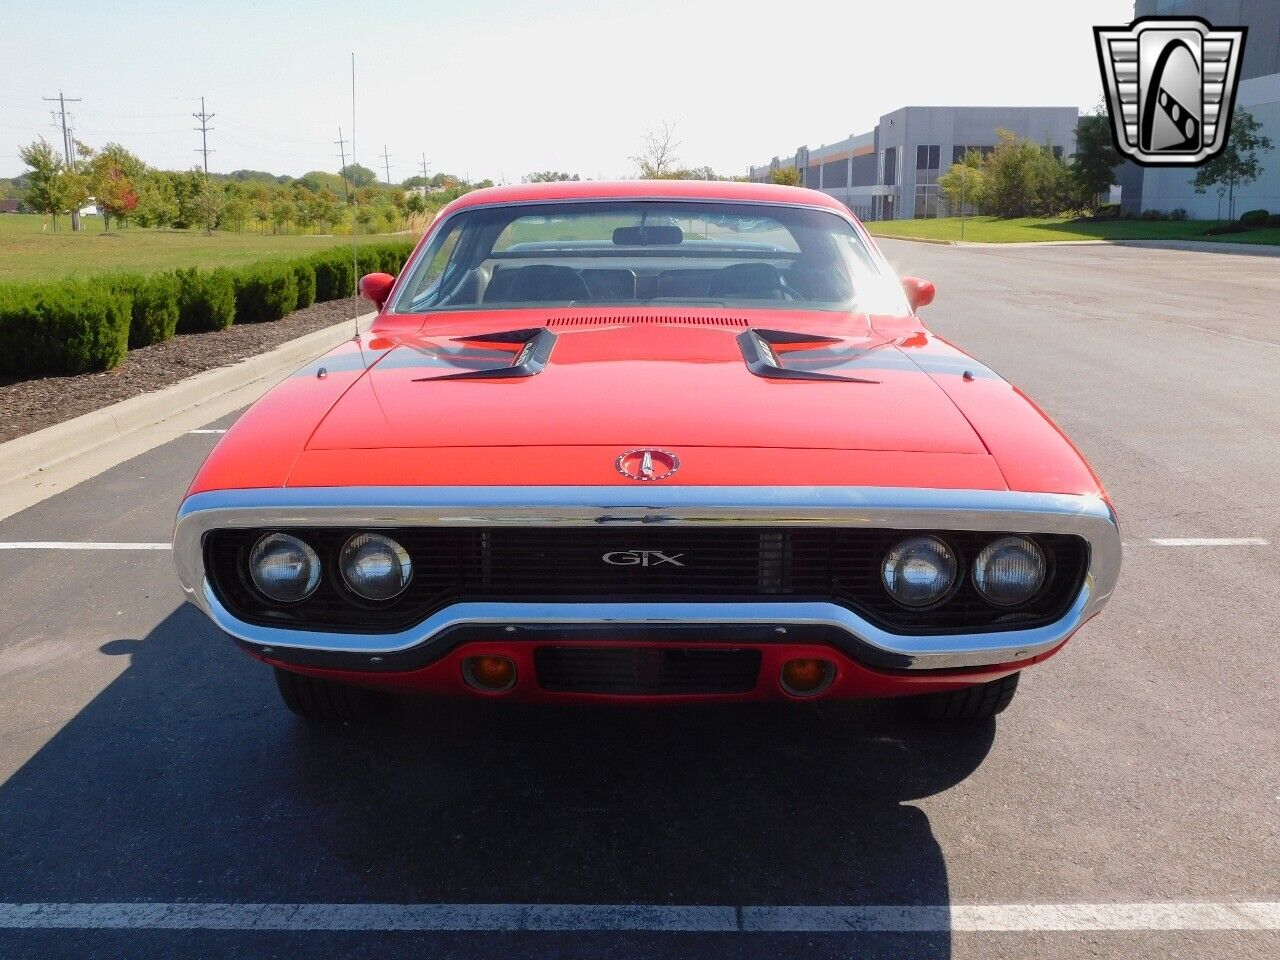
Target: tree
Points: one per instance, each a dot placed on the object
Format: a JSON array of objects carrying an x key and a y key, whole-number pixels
[
  {"x": 1096, "y": 157},
  {"x": 47, "y": 189},
  {"x": 329, "y": 209},
  {"x": 157, "y": 203},
  {"x": 317, "y": 180},
  {"x": 548, "y": 176},
  {"x": 360, "y": 176},
  {"x": 964, "y": 186},
  {"x": 1238, "y": 163},
  {"x": 657, "y": 158},
  {"x": 786, "y": 176},
  {"x": 1025, "y": 179},
  {"x": 282, "y": 211},
  {"x": 114, "y": 174}
]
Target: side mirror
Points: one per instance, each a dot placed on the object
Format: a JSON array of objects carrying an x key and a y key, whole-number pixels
[
  {"x": 376, "y": 287},
  {"x": 920, "y": 293}
]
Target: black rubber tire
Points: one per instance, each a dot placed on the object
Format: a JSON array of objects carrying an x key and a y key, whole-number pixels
[
  {"x": 968, "y": 704},
  {"x": 324, "y": 701}
]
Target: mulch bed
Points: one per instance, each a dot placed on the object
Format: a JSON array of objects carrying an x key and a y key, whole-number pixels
[{"x": 30, "y": 405}]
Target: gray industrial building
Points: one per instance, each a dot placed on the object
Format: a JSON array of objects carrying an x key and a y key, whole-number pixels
[
  {"x": 891, "y": 172},
  {"x": 1150, "y": 188}
]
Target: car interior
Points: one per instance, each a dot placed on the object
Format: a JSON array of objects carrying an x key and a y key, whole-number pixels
[{"x": 509, "y": 257}]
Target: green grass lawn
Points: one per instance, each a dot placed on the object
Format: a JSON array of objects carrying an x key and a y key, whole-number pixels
[
  {"x": 26, "y": 253},
  {"x": 1033, "y": 230}
]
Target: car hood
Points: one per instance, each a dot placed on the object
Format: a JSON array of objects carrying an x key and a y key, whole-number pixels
[{"x": 611, "y": 383}]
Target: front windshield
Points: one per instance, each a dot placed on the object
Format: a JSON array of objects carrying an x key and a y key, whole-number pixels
[{"x": 648, "y": 253}]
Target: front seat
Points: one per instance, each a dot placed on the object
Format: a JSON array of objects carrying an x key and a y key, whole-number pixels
[
  {"x": 747, "y": 281},
  {"x": 547, "y": 283}
]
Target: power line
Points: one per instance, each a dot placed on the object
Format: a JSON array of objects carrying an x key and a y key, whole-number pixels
[
  {"x": 67, "y": 144},
  {"x": 204, "y": 128}
]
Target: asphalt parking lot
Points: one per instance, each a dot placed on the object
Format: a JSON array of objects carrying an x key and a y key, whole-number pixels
[{"x": 143, "y": 760}]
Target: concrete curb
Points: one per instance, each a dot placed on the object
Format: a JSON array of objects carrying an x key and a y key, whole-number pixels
[
  {"x": 42, "y": 464},
  {"x": 934, "y": 240}
]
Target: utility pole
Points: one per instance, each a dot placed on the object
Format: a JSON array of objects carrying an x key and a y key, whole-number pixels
[
  {"x": 204, "y": 129},
  {"x": 346, "y": 195},
  {"x": 386, "y": 160},
  {"x": 67, "y": 144},
  {"x": 341, "y": 144},
  {"x": 424, "y": 167}
]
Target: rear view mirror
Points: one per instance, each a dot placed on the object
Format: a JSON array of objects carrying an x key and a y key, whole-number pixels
[
  {"x": 920, "y": 293},
  {"x": 377, "y": 287},
  {"x": 654, "y": 236}
]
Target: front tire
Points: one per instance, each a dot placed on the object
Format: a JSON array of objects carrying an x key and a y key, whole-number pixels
[
  {"x": 326, "y": 701},
  {"x": 982, "y": 701}
]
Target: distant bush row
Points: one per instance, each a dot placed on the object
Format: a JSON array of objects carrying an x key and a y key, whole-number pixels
[{"x": 73, "y": 326}]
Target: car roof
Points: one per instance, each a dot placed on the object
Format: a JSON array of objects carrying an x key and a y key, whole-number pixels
[{"x": 726, "y": 190}]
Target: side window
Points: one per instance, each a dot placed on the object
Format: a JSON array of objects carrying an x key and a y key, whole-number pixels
[{"x": 431, "y": 272}]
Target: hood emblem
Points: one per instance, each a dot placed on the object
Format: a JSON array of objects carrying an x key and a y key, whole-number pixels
[{"x": 647, "y": 464}]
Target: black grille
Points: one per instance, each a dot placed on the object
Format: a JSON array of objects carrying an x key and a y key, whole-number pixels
[
  {"x": 646, "y": 670},
  {"x": 454, "y": 564}
]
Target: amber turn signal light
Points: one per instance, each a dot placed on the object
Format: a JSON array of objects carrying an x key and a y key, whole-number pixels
[
  {"x": 490, "y": 674},
  {"x": 806, "y": 677}
]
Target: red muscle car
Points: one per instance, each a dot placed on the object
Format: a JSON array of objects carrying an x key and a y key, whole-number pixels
[{"x": 647, "y": 442}]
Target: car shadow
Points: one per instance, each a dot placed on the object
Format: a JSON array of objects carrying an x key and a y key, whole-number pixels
[{"x": 186, "y": 779}]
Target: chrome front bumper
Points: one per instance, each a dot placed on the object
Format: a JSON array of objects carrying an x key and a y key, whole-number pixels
[{"x": 893, "y": 507}]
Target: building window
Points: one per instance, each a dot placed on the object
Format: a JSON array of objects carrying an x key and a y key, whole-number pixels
[
  {"x": 928, "y": 156},
  {"x": 958, "y": 152},
  {"x": 926, "y": 201},
  {"x": 889, "y": 175},
  {"x": 1057, "y": 153}
]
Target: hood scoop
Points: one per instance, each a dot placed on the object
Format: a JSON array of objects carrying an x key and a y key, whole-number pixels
[
  {"x": 518, "y": 353},
  {"x": 806, "y": 356}
]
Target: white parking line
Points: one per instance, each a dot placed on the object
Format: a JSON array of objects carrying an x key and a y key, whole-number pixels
[
  {"x": 206, "y": 431},
  {"x": 1014, "y": 918},
  {"x": 1210, "y": 542},
  {"x": 80, "y": 545}
]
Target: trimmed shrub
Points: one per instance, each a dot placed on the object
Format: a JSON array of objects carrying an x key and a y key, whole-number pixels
[
  {"x": 206, "y": 301},
  {"x": 154, "y": 316},
  {"x": 335, "y": 277},
  {"x": 1225, "y": 228},
  {"x": 368, "y": 260},
  {"x": 304, "y": 275},
  {"x": 264, "y": 292},
  {"x": 1154, "y": 215},
  {"x": 1273, "y": 220},
  {"x": 62, "y": 327},
  {"x": 1253, "y": 219},
  {"x": 394, "y": 256},
  {"x": 1178, "y": 213}
]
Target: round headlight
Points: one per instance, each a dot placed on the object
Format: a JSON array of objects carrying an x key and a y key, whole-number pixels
[
  {"x": 284, "y": 568},
  {"x": 375, "y": 567},
  {"x": 919, "y": 571},
  {"x": 1009, "y": 571}
]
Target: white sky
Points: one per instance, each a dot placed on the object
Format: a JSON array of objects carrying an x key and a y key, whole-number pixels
[{"x": 501, "y": 88}]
